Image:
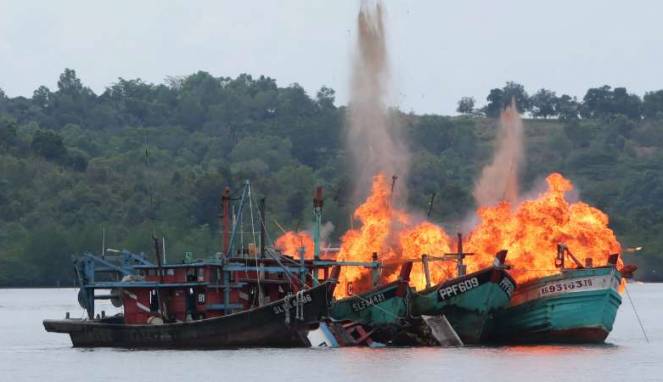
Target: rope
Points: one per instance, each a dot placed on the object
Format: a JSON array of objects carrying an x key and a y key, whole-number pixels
[
  {"x": 637, "y": 316},
  {"x": 299, "y": 305},
  {"x": 286, "y": 307}
]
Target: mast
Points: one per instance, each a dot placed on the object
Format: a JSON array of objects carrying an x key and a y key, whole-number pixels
[
  {"x": 224, "y": 222},
  {"x": 460, "y": 267},
  {"x": 231, "y": 241},
  {"x": 162, "y": 303},
  {"x": 263, "y": 226},
  {"x": 317, "y": 216}
]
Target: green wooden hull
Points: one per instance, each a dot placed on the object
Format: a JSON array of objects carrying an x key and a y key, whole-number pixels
[
  {"x": 382, "y": 310},
  {"x": 576, "y": 306},
  {"x": 467, "y": 302}
]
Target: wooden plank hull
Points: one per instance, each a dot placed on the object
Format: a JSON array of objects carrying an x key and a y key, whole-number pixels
[
  {"x": 265, "y": 326},
  {"x": 381, "y": 311},
  {"x": 577, "y": 306},
  {"x": 467, "y": 302}
]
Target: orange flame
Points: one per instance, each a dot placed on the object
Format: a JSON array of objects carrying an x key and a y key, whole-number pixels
[
  {"x": 530, "y": 232},
  {"x": 290, "y": 243},
  {"x": 392, "y": 235}
]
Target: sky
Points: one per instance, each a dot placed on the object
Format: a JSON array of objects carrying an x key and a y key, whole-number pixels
[{"x": 440, "y": 50}]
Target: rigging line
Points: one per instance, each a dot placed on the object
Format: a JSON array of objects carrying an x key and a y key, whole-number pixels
[
  {"x": 253, "y": 228},
  {"x": 241, "y": 234},
  {"x": 635, "y": 311},
  {"x": 287, "y": 272},
  {"x": 279, "y": 225},
  {"x": 271, "y": 241},
  {"x": 255, "y": 253}
]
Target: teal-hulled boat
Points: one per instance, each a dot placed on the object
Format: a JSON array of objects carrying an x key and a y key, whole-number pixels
[
  {"x": 381, "y": 311},
  {"x": 577, "y": 305},
  {"x": 468, "y": 301}
]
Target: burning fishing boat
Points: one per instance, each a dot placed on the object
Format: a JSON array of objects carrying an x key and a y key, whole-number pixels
[
  {"x": 240, "y": 298},
  {"x": 556, "y": 300},
  {"x": 577, "y": 305},
  {"x": 373, "y": 295},
  {"x": 467, "y": 301},
  {"x": 382, "y": 311}
]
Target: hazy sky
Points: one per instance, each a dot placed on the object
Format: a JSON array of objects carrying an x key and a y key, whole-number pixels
[{"x": 440, "y": 50}]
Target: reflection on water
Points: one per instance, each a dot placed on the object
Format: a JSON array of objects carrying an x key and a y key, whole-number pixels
[{"x": 27, "y": 352}]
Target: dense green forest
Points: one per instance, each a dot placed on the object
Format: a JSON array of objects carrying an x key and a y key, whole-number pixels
[{"x": 141, "y": 157}]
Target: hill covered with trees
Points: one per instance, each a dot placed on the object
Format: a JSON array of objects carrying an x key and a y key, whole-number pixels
[{"x": 141, "y": 157}]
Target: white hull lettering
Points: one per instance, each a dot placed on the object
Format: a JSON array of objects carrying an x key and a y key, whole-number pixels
[
  {"x": 565, "y": 286},
  {"x": 368, "y": 302},
  {"x": 278, "y": 309},
  {"x": 507, "y": 286},
  {"x": 458, "y": 288}
]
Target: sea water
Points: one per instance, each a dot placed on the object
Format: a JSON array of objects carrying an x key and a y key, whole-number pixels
[{"x": 28, "y": 353}]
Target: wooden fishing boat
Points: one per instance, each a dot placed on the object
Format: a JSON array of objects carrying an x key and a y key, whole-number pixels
[
  {"x": 382, "y": 312},
  {"x": 468, "y": 301},
  {"x": 578, "y": 305},
  {"x": 241, "y": 297},
  {"x": 282, "y": 323}
]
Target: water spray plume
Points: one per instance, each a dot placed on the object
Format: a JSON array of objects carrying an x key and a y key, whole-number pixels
[
  {"x": 373, "y": 137},
  {"x": 530, "y": 230},
  {"x": 499, "y": 180}
]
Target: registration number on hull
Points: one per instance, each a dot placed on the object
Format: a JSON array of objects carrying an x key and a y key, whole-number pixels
[
  {"x": 563, "y": 286},
  {"x": 458, "y": 288}
]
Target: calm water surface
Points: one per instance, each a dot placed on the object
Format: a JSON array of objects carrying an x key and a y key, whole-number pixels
[{"x": 28, "y": 353}]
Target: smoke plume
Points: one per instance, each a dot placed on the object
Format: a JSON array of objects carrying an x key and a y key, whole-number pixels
[
  {"x": 499, "y": 180},
  {"x": 374, "y": 138}
]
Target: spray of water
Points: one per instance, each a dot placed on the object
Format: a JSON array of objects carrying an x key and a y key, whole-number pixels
[
  {"x": 499, "y": 180},
  {"x": 374, "y": 138}
]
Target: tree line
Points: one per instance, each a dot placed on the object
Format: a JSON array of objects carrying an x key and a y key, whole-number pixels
[
  {"x": 601, "y": 102},
  {"x": 142, "y": 158}
]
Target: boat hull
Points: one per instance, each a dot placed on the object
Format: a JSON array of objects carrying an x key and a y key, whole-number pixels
[
  {"x": 265, "y": 326},
  {"x": 467, "y": 302},
  {"x": 577, "y": 306},
  {"x": 381, "y": 311}
]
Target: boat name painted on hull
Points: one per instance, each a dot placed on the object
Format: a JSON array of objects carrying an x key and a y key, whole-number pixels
[
  {"x": 507, "y": 286},
  {"x": 564, "y": 286},
  {"x": 360, "y": 303},
  {"x": 278, "y": 309},
  {"x": 368, "y": 302},
  {"x": 457, "y": 288}
]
